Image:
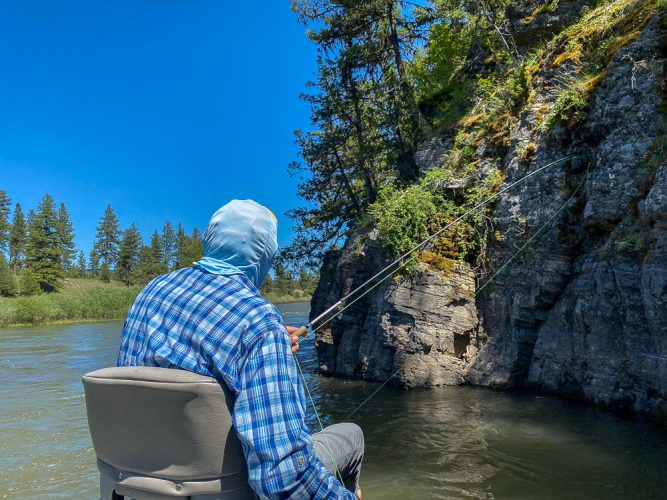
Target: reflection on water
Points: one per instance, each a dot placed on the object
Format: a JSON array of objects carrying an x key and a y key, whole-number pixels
[{"x": 453, "y": 442}]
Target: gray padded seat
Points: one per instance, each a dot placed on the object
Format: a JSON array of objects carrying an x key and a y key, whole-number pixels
[{"x": 162, "y": 434}]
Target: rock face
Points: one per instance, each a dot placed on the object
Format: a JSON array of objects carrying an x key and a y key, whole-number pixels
[
  {"x": 532, "y": 21},
  {"x": 421, "y": 330},
  {"x": 584, "y": 313}
]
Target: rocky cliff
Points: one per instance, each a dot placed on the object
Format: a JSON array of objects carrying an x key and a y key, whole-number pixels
[{"x": 582, "y": 311}]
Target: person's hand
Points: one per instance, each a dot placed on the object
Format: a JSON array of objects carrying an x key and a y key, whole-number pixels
[
  {"x": 359, "y": 495},
  {"x": 291, "y": 330}
]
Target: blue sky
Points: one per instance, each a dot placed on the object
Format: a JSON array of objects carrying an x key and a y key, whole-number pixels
[{"x": 164, "y": 108}]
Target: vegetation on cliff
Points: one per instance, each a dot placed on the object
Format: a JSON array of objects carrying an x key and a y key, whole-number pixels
[{"x": 394, "y": 74}]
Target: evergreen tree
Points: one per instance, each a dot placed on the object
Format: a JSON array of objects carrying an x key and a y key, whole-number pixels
[
  {"x": 44, "y": 246},
  {"x": 307, "y": 280},
  {"x": 17, "y": 237},
  {"x": 367, "y": 121},
  {"x": 105, "y": 272},
  {"x": 267, "y": 286},
  {"x": 66, "y": 233},
  {"x": 181, "y": 241},
  {"x": 81, "y": 268},
  {"x": 169, "y": 244},
  {"x": 128, "y": 256},
  {"x": 283, "y": 281},
  {"x": 5, "y": 203},
  {"x": 29, "y": 283},
  {"x": 7, "y": 281},
  {"x": 150, "y": 260},
  {"x": 94, "y": 263},
  {"x": 107, "y": 239}
]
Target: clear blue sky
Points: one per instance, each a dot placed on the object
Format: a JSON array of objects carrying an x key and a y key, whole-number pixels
[{"x": 164, "y": 108}]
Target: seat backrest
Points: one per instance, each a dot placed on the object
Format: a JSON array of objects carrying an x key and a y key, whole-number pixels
[{"x": 163, "y": 423}]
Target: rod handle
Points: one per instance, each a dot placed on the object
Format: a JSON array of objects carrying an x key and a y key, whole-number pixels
[{"x": 302, "y": 332}]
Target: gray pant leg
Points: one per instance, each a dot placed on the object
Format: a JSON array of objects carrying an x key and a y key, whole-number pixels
[{"x": 341, "y": 446}]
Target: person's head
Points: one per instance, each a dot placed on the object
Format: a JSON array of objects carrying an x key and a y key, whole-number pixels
[{"x": 242, "y": 235}]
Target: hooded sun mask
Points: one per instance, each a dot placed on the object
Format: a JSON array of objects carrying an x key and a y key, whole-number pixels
[{"x": 241, "y": 238}]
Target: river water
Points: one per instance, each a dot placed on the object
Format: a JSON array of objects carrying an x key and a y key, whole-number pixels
[{"x": 451, "y": 442}]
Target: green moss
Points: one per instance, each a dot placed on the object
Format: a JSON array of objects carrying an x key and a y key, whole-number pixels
[
  {"x": 569, "y": 106},
  {"x": 438, "y": 262},
  {"x": 634, "y": 242},
  {"x": 526, "y": 151}
]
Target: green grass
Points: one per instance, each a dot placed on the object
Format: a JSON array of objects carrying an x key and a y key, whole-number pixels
[
  {"x": 91, "y": 304},
  {"x": 276, "y": 298},
  {"x": 82, "y": 300}
]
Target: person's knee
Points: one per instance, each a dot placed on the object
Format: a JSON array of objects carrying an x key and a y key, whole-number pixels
[
  {"x": 358, "y": 435},
  {"x": 355, "y": 435}
]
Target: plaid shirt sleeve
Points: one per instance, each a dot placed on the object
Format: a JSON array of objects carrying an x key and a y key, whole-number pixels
[{"x": 269, "y": 417}]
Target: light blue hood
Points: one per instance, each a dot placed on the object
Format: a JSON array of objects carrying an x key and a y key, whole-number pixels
[{"x": 241, "y": 238}]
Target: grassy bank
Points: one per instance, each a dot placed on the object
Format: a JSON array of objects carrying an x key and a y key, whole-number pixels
[
  {"x": 83, "y": 300},
  {"x": 275, "y": 298}
]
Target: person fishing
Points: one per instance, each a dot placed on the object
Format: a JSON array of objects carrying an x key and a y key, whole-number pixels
[{"x": 211, "y": 319}]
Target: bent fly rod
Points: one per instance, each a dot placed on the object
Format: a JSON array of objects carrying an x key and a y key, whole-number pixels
[{"x": 401, "y": 261}]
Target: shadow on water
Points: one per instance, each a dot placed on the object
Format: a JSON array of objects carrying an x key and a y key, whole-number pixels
[{"x": 450, "y": 442}]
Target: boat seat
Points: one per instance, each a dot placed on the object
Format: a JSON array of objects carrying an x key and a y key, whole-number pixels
[{"x": 162, "y": 433}]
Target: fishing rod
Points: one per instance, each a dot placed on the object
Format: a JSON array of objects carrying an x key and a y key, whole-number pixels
[
  {"x": 400, "y": 262},
  {"x": 528, "y": 242}
]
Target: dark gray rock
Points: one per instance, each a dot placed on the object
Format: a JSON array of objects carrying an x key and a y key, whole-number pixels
[
  {"x": 584, "y": 312},
  {"x": 431, "y": 154},
  {"x": 421, "y": 329}
]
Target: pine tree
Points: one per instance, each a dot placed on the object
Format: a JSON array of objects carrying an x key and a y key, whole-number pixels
[
  {"x": 105, "y": 272},
  {"x": 81, "y": 268},
  {"x": 107, "y": 239},
  {"x": 150, "y": 260},
  {"x": 192, "y": 249},
  {"x": 169, "y": 243},
  {"x": 66, "y": 233},
  {"x": 5, "y": 203},
  {"x": 94, "y": 263},
  {"x": 365, "y": 113},
  {"x": 44, "y": 246},
  {"x": 181, "y": 242},
  {"x": 128, "y": 256},
  {"x": 29, "y": 283},
  {"x": 267, "y": 286},
  {"x": 283, "y": 279},
  {"x": 17, "y": 238},
  {"x": 7, "y": 281}
]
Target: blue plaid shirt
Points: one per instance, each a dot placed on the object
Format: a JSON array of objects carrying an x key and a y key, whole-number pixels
[{"x": 221, "y": 327}]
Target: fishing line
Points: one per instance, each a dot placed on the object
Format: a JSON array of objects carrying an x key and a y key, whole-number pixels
[
  {"x": 536, "y": 235},
  {"x": 401, "y": 260},
  {"x": 319, "y": 422}
]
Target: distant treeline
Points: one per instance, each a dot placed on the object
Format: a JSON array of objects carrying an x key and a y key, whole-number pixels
[{"x": 37, "y": 252}]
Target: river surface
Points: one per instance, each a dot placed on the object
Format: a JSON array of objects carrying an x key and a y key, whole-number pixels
[{"x": 451, "y": 442}]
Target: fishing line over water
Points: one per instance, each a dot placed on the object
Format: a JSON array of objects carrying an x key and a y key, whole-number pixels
[
  {"x": 358, "y": 293},
  {"x": 401, "y": 261}
]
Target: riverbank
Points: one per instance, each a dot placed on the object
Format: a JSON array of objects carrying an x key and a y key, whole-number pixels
[{"x": 84, "y": 301}]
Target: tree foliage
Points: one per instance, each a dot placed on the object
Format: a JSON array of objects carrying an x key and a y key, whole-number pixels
[
  {"x": 17, "y": 237},
  {"x": 365, "y": 113},
  {"x": 66, "y": 233},
  {"x": 5, "y": 203},
  {"x": 169, "y": 245},
  {"x": 128, "y": 255},
  {"x": 44, "y": 246},
  {"x": 107, "y": 240},
  {"x": 7, "y": 280},
  {"x": 390, "y": 74}
]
